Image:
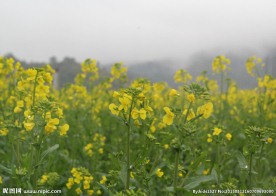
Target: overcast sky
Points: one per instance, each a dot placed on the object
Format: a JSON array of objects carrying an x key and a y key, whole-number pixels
[{"x": 133, "y": 30}]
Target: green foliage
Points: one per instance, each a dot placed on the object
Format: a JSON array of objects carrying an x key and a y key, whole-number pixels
[{"x": 115, "y": 136}]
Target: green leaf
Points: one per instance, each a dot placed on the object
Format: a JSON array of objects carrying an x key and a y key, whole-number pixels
[
  {"x": 214, "y": 174},
  {"x": 150, "y": 137},
  {"x": 172, "y": 189},
  {"x": 169, "y": 189},
  {"x": 9, "y": 171},
  {"x": 123, "y": 173},
  {"x": 197, "y": 161},
  {"x": 48, "y": 151},
  {"x": 105, "y": 189},
  {"x": 241, "y": 160},
  {"x": 193, "y": 182}
]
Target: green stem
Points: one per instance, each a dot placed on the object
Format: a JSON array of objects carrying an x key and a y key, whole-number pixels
[
  {"x": 259, "y": 160},
  {"x": 2, "y": 110},
  {"x": 16, "y": 152},
  {"x": 250, "y": 171},
  {"x": 36, "y": 167},
  {"x": 221, "y": 93},
  {"x": 128, "y": 146},
  {"x": 37, "y": 155},
  {"x": 188, "y": 111},
  {"x": 128, "y": 158},
  {"x": 218, "y": 163},
  {"x": 176, "y": 168}
]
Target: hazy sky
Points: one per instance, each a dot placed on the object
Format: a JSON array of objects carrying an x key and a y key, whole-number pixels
[{"x": 133, "y": 30}]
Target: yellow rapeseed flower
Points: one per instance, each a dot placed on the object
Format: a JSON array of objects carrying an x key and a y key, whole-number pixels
[
  {"x": 217, "y": 131},
  {"x": 90, "y": 192},
  {"x": 143, "y": 114},
  {"x": 205, "y": 171},
  {"x": 125, "y": 103},
  {"x": 48, "y": 77},
  {"x": 86, "y": 184},
  {"x": 51, "y": 125},
  {"x": 101, "y": 150},
  {"x": 205, "y": 110},
  {"x": 159, "y": 173},
  {"x": 159, "y": 86},
  {"x": 103, "y": 180},
  {"x": 269, "y": 140},
  {"x": 166, "y": 146},
  {"x": 77, "y": 178},
  {"x": 228, "y": 136},
  {"x": 63, "y": 129},
  {"x": 43, "y": 179},
  {"x": 32, "y": 74},
  {"x": 74, "y": 170},
  {"x": 70, "y": 183},
  {"x": 168, "y": 118},
  {"x": 78, "y": 191},
  {"x": 20, "y": 103},
  {"x": 4, "y": 132},
  {"x": 191, "y": 98},
  {"x": 54, "y": 121},
  {"x": 209, "y": 139},
  {"x": 29, "y": 125},
  {"x": 116, "y": 94},
  {"x": 88, "y": 178},
  {"x": 17, "y": 109},
  {"x": 114, "y": 109},
  {"x": 135, "y": 113},
  {"x": 173, "y": 93}
]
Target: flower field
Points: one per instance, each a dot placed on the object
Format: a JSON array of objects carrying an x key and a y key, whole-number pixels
[{"x": 111, "y": 136}]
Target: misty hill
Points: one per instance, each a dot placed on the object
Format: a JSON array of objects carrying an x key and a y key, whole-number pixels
[
  {"x": 164, "y": 70},
  {"x": 156, "y": 71}
]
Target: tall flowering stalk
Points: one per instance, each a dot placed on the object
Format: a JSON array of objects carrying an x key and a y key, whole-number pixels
[
  {"x": 220, "y": 65},
  {"x": 131, "y": 109},
  {"x": 184, "y": 118},
  {"x": 36, "y": 115}
]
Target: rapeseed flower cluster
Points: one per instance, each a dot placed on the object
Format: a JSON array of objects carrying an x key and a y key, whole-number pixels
[
  {"x": 216, "y": 133},
  {"x": 82, "y": 179},
  {"x": 251, "y": 65},
  {"x": 118, "y": 71},
  {"x": 88, "y": 68},
  {"x": 220, "y": 64},
  {"x": 131, "y": 102},
  {"x": 50, "y": 179},
  {"x": 205, "y": 110},
  {"x": 97, "y": 144},
  {"x": 182, "y": 76}
]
